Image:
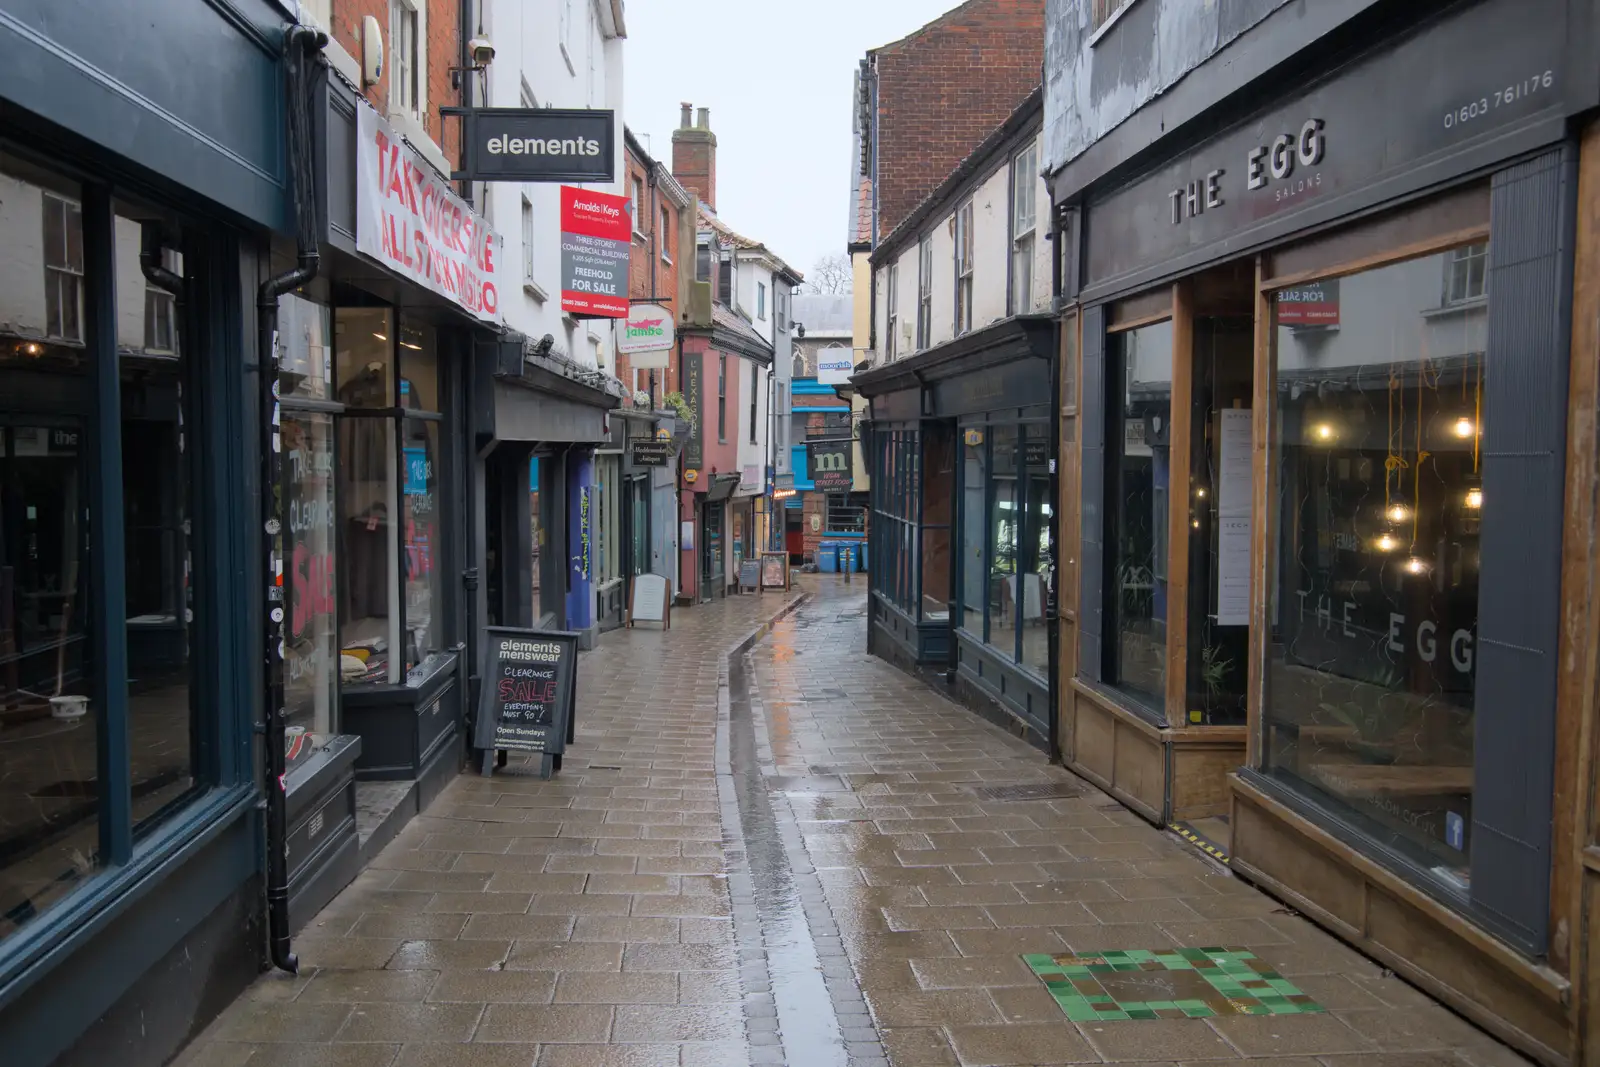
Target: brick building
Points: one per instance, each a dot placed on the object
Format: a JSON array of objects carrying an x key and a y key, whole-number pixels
[
  {"x": 663, "y": 238},
  {"x": 421, "y": 43},
  {"x": 929, "y": 99}
]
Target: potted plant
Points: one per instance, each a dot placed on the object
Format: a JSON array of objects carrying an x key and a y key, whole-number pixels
[{"x": 682, "y": 414}]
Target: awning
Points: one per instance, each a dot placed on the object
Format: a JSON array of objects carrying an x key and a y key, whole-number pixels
[{"x": 722, "y": 487}]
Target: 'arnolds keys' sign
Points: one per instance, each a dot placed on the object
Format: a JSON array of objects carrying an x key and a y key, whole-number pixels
[{"x": 408, "y": 219}]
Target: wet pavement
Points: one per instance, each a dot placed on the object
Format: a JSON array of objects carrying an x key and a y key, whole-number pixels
[{"x": 766, "y": 848}]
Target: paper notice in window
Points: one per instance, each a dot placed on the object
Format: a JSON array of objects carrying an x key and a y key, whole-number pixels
[{"x": 1233, "y": 518}]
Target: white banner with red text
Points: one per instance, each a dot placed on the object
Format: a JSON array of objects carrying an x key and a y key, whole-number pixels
[{"x": 408, "y": 219}]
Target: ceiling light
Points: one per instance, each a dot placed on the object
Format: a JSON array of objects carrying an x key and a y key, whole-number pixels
[
  {"x": 380, "y": 337},
  {"x": 408, "y": 344}
]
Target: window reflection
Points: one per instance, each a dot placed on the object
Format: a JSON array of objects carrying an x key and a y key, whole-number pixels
[
  {"x": 974, "y": 493},
  {"x": 1375, "y": 610},
  {"x": 49, "y": 792},
  {"x": 1005, "y": 523},
  {"x": 1138, "y": 444}
]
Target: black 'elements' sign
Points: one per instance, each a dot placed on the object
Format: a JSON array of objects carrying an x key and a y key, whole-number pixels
[
  {"x": 529, "y": 689},
  {"x": 540, "y": 144}
]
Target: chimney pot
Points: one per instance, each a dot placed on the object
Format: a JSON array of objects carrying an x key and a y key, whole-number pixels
[
  {"x": 704, "y": 121},
  {"x": 683, "y": 121}
]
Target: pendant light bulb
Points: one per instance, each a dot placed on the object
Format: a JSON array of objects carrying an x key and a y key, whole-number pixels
[
  {"x": 1387, "y": 543},
  {"x": 1324, "y": 431},
  {"x": 1416, "y": 565},
  {"x": 1398, "y": 513},
  {"x": 1464, "y": 428},
  {"x": 1475, "y": 498}
]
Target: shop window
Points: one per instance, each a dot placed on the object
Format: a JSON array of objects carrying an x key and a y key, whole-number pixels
[
  {"x": 537, "y": 532},
  {"x": 67, "y": 810},
  {"x": 1036, "y": 555},
  {"x": 924, "y": 290},
  {"x": 1024, "y": 223},
  {"x": 844, "y": 515},
  {"x": 310, "y": 547},
  {"x": 963, "y": 256},
  {"x": 1004, "y": 529},
  {"x": 1137, "y": 451},
  {"x": 974, "y": 496},
  {"x": 1370, "y": 698},
  {"x": 1466, "y": 272},
  {"x": 608, "y": 550},
  {"x": 639, "y": 525},
  {"x": 391, "y": 609},
  {"x": 938, "y": 499},
  {"x": 896, "y": 499}
]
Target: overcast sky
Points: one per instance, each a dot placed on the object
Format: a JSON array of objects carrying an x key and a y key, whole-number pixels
[{"x": 777, "y": 78}]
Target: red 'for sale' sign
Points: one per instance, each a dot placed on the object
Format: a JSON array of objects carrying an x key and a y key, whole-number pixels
[{"x": 596, "y": 235}]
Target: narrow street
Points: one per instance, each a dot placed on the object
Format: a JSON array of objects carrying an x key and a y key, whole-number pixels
[{"x": 767, "y": 847}]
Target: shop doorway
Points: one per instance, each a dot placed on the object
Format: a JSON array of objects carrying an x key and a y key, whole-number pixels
[{"x": 712, "y": 580}]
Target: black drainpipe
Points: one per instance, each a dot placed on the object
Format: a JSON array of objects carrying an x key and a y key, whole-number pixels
[{"x": 302, "y": 45}]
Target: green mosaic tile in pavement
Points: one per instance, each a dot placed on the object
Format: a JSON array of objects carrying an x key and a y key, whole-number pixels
[{"x": 1180, "y": 983}]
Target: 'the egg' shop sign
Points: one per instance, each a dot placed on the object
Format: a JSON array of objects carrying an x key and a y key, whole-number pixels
[{"x": 647, "y": 332}]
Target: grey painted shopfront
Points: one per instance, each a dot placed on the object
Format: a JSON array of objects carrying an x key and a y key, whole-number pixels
[{"x": 1317, "y": 343}]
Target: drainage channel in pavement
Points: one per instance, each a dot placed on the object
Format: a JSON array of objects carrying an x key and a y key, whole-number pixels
[{"x": 802, "y": 1004}]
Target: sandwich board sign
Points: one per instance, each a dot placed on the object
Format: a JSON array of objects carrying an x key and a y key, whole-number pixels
[{"x": 528, "y": 694}]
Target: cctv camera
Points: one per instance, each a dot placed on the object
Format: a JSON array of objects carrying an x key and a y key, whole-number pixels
[{"x": 482, "y": 51}]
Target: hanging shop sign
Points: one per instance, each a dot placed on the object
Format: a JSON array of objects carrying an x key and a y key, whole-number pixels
[
  {"x": 831, "y": 467},
  {"x": 408, "y": 220},
  {"x": 647, "y": 328},
  {"x": 596, "y": 234},
  {"x": 1390, "y": 123},
  {"x": 834, "y": 366},
  {"x": 529, "y": 692},
  {"x": 694, "y": 450},
  {"x": 1312, "y": 304},
  {"x": 521, "y": 144},
  {"x": 650, "y": 453}
]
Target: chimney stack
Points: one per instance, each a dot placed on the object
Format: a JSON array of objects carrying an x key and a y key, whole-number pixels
[{"x": 694, "y": 155}]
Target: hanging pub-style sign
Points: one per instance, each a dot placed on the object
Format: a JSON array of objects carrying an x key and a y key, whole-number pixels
[{"x": 539, "y": 144}]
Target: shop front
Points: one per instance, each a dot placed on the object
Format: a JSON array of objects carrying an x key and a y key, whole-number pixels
[
  {"x": 962, "y": 505},
  {"x": 1327, "y": 516},
  {"x": 376, "y": 368},
  {"x": 137, "y": 225}
]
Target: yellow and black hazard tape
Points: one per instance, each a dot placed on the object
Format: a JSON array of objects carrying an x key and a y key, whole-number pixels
[{"x": 1198, "y": 842}]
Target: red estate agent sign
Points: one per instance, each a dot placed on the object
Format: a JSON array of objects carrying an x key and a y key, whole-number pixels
[{"x": 596, "y": 234}]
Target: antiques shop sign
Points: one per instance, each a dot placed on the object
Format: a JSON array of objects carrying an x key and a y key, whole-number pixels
[
  {"x": 1393, "y": 122},
  {"x": 408, "y": 220}
]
